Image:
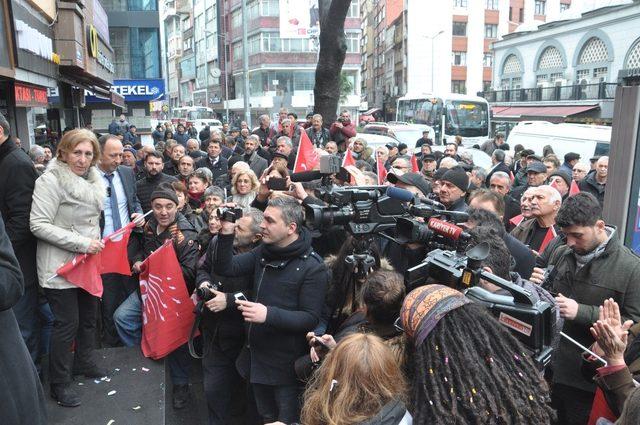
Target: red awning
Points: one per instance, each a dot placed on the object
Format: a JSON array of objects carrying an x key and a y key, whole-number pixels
[{"x": 539, "y": 111}]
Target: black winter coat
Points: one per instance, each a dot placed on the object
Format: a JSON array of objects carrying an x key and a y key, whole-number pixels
[
  {"x": 146, "y": 186},
  {"x": 591, "y": 185},
  {"x": 17, "y": 180},
  {"x": 21, "y": 395},
  {"x": 221, "y": 167},
  {"x": 293, "y": 290}
]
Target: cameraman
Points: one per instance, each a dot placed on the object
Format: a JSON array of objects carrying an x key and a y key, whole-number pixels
[
  {"x": 289, "y": 286},
  {"x": 223, "y": 330},
  {"x": 591, "y": 267}
]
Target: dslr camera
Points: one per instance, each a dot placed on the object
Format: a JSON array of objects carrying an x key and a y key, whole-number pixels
[
  {"x": 229, "y": 214},
  {"x": 205, "y": 293}
]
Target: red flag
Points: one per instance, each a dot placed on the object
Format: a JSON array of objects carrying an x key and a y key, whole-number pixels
[
  {"x": 515, "y": 221},
  {"x": 114, "y": 253},
  {"x": 167, "y": 309},
  {"x": 600, "y": 409},
  {"x": 414, "y": 164},
  {"x": 551, "y": 233},
  {"x": 348, "y": 159},
  {"x": 574, "y": 189},
  {"x": 555, "y": 186},
  {"x": 381, "y": 171},
  {"x": 84, "y": 272},
  {"x": 512, "y": 177},
  {"x": 307, "y": 158}
]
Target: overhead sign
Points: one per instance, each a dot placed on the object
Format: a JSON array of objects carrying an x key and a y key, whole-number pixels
[
  {"x": 95, "y": 52},
  {"x": 299, "y": 18},
  {"x": 30, "y": 95},
  {"x": 33, "y": 41},
  {"x": 133, "y": 91}
]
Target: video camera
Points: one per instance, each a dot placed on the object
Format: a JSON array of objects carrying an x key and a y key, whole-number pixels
[{"x": 528, "y": 319}]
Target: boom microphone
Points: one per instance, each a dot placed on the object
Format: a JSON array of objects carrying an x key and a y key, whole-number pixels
[{"x": 446, "y": 229}]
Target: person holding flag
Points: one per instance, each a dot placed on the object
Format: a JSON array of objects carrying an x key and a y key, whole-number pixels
[
  {"x": 166, "y": 224},
  {"x": 121, "y": 206},
  {"x": 65, "y": 215}
]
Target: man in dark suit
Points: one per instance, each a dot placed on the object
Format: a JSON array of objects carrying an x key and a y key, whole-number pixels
[
  {"x": 497, "y": 159},
  {"x": 17, "y": 179},
  {"x": 214, "y": 161},
  {"x": 121, "y": 206}
]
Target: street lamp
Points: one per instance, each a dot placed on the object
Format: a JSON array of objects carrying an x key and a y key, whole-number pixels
[{"x": 432, "y": 38}]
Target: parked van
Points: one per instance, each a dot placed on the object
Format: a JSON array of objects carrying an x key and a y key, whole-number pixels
[{"x": 586, "y": 140}]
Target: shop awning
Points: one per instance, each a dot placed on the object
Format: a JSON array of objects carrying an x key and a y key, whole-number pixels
[{"x": 540, "y": 111}]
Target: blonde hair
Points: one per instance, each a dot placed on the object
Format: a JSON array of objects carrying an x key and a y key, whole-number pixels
[
  {"x": 367, "y": 375},
  {"x": 73, "y": 138},
  {"x": 255, "y": 184}
]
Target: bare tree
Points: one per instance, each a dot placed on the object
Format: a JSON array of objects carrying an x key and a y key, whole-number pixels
[{"x": 333, "y": 49}]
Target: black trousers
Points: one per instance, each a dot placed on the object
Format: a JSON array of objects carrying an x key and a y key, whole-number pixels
[
  {"x": 117, "y": 288},
  {"x": 277, "y": 403},
  {"x": 572, "y": 404},
  {"x": 75, "y": 313}
]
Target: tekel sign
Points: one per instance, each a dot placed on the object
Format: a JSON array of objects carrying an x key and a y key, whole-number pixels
[
  {"x": 30, "y": 95},
  {"x": 134, "y": 90}
]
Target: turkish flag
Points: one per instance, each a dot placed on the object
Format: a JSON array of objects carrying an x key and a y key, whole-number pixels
[
  {"x": 348, "y": 159},
  {"x": 84, "y": 272},
  {"x": 555, "y": 186},
  {"x": 574, "y": 189},
  {"x": 381, "y": 171},
  {"x": 515, "y": 221},
  {"x": 307, "y": 158},
  {"x": 414, "y": 164},
  {"x": 167, "y": 309},
  {"x": 114, "y": 254}
]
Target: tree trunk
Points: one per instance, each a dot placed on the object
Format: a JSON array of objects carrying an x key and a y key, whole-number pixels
[{"x": 333, "y": 49}]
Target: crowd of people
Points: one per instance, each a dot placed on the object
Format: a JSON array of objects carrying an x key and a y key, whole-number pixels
[{"x": 296, "y": 328}]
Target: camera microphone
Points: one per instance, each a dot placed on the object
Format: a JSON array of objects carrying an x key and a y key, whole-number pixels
[
  {"x": 404, "y": 195},
  {"x": 446, "y": 229},
  {"x": 306, "y": 176}
]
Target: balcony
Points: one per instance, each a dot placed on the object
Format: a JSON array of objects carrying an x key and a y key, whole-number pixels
[{"x": 599, "y": 91}]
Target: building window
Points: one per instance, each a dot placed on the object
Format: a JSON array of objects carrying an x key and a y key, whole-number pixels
[
  {"x": 600, "y": 73},
  {"x": 487, "y": 60},
  {"x": 459, "y": 58},
  {"x": 594, "y": 51},
  {"x": 459, "y": 28},
  {"x": 352, "y": 42},
  {"x": 551, "y": 58},
  {"x": 119, "y": 40},
  {"x": 512, "y": 65},
  {"x": 354, "y": 9},
  {"x": 269, "y": 8},
  {"x": 254, "y": 44},
  {"x": 143, "y": 5},
  {"x": 295, "y": 45},
  {"x": 564, "y": 6},
  {"x": 145, "y": 57},
  {"x": 633, "y": 57},
  {"x": 459, "y": 86},
  {"x": 557, "y": 76},
  {"x": 459, "y": 3},
  {"x": 236, "y": 18},
  {"x": 490, "y": 31},
  {"x": 540, "y": 6},
  {"x": 304, "y": 80},
  {"x": 210, "y": 15},
  {"x": 114, "y": 5},
  {"x": 271, "y": 42},
  {"x": 541, "y": 79},
  {"x": 491, "y": 4},
  {"x": 582, "y": 74},
  {"x": 237, "y": 51}
]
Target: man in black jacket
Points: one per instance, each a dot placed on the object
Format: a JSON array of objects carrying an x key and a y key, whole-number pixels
[
  {"x": 153, "y": 166},
  {"x": 289, "y": 286},
  {"x": 17, "y": 179},
  {"x": 222, "y": 323},
  {"x": 214, "y": 161},
  {"x": 166, "y": 223}
]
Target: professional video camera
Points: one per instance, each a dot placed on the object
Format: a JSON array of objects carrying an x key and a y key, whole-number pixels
[
  {"x": 229, "y": 214},
  {"x": 530, "y": 320}
]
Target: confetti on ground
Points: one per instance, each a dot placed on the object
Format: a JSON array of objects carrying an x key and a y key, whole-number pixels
[
  {"x": 117, "y": 370},
  {"x": 104, "y": 378},
  {"x": 144, "y": 369},
  {"x": 96, "y": 381},
  {"x": 112, "y": 392},
  {"x": 134, "y": 369},
  {"x": 137, "y": 408},
  {"x": 107, "y": 380},
  {"x": 80, "y": 383},
  {"x": 111, "y": 422}
]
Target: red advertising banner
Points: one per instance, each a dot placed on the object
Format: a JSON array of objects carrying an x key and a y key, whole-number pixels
[{"x": 30, "y": 95}]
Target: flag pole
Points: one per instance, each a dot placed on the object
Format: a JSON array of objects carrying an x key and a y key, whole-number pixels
[{"x": 116, "y": 233}]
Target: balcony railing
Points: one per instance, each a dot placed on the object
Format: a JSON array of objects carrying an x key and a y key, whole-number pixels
[{"x": 553, "y": 93}]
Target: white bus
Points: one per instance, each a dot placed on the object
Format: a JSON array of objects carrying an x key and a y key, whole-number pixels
[
  {"x": 197, "y": 116},
  {"x": 449, "y": 115}
]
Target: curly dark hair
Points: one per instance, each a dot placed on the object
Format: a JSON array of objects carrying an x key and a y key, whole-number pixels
[
  {"x": 499, "y": 259},
  {"x": 582, "y": 209},
  {"x": 383, "y": 294},
  {"x": 471, "y": 370}
]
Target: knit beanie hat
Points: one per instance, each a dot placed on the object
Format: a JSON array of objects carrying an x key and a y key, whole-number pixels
[
  {"x": 437, "y": 175},
  {"x": 165, "y": 191},
  {"x": 458, "y": 177},
  {"x": 564, "y": 175}
]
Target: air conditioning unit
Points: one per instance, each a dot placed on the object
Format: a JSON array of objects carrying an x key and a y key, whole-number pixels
[{"x": 543, "y": 84}]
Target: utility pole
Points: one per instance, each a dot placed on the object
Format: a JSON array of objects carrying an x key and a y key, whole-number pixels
[{"x": 245, "y": 64}]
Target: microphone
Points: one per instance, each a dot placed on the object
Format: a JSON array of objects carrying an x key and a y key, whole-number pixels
[
  {"x": 404, "y": 195},
  {"x": 446, "y": 229},
  {"x": 306, "y": 176}
]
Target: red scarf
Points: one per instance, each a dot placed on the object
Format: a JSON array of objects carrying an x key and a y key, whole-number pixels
[{"x": 197, "y": 196}]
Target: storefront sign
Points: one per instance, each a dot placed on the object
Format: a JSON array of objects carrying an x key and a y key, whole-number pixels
[
  {"x": 135, "y": 90},
  {"x": 33, "y": 41},
  {"x": 30, "y": 95},
  {"x": 95, "y": 52}
]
